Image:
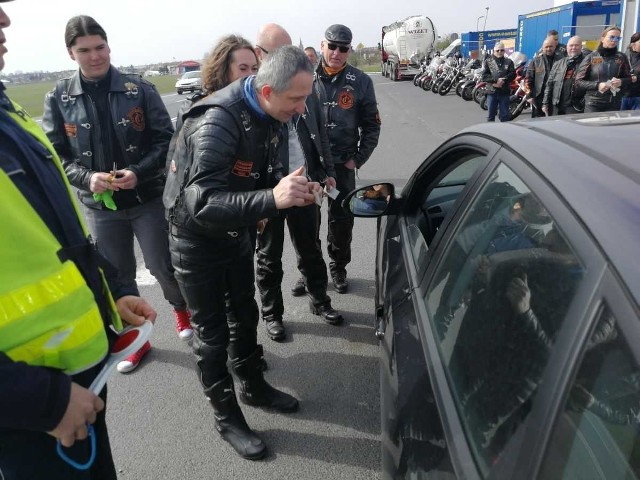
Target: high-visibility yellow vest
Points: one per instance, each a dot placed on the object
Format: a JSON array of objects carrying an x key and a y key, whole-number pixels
[{"x": 48, "y": 314}]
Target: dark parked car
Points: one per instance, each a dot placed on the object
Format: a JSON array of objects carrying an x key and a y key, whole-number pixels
[{"x": 507, "y": 303}]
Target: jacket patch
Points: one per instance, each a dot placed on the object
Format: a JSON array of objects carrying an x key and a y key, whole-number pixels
[
  {"x": 346, "y": 100},
  {"x": 596, "y": 61},
  {"x": 136, "y": 117},
  {"x": 132, "y": 89},
  {"x": 71, "y": 129},
  {"x": 242, "y": 169}
]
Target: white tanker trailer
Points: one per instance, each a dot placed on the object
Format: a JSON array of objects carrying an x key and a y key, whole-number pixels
[{"x": 405, "y": 44}]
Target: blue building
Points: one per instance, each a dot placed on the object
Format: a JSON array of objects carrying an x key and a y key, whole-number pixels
[
  {"x": 586, "y": 19},
  {"x": 473, "y": 42}
]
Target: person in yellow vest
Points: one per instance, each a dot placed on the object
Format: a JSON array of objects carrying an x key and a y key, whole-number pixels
[{"x": 58, "y": 302}]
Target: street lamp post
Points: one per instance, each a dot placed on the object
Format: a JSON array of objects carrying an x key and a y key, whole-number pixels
[
  {"x": 484, "y": 28},
  {"x": 478, "y": 23}
]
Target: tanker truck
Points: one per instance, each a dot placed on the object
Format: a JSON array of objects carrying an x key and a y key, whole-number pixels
[{"x": 405, "y": 44}]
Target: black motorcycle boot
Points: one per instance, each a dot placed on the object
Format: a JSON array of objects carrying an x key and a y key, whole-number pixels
[
  {"x": 339, "y": 278},
  {"x": 326, "y": 311},
  {"x": 299, "y": 288},
  {"x": 275, "y": 328},
  {"x": 254, "y": 389},
  {"x": 230, "y": 422}
]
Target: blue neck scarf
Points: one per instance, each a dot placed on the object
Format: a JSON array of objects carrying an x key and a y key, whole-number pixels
[{"x": 251, "y": 98}]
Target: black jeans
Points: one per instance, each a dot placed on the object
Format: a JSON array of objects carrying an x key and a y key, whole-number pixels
[
  {"x": 340, "y": 226},
  {"x": 216, "y": 278},
  {"x": 303, "y": 224}
]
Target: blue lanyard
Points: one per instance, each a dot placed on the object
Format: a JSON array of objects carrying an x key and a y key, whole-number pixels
[{"x": 72, "y": 462}]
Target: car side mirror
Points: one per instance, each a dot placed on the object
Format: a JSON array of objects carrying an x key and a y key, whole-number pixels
[{"x": 369, "y": 201}]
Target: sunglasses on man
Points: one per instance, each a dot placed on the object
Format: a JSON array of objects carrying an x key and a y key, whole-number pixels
[{"x": 342, "y": 48}]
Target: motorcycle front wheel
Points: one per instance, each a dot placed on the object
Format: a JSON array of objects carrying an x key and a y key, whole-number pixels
[{"x": 478, "y": 93}]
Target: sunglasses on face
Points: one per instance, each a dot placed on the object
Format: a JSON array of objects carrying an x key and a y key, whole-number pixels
[
  {"x": 614, "y": 38},
  {"x": 333, "y": 46},
  {"x": 499, "y": 50}
]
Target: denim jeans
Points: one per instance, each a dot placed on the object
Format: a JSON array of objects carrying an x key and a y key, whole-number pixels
[
  {"x": 495, "y": 102},
  {"x": 113, "y": 232},
  {"x": 630, "y": 103}
]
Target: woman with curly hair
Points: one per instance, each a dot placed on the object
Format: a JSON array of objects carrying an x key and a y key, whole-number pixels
[{"x": 232, "y": 58}]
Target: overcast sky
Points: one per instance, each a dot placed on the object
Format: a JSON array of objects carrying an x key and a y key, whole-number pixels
[{"x": 151, "y": 31}]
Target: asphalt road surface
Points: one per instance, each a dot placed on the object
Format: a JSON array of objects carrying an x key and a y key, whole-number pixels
[{"x": 161, "y": 425}]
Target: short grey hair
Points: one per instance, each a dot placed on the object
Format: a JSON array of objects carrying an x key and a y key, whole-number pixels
[
  {"x": 280, "y": 66},
  {"x": 498, "y": 45}
]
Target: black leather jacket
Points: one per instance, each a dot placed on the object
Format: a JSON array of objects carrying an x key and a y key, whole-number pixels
[
  {"x": 556, "y": 92},
  {"x": 224, "y": 165},
  {"x": 314, "y": 140},
  {"x": 140, "y": 120},
  {"x": 351, "y": 113},
  {"x": 538, "y": 73},
  {"x": 634, "y": 88},
  {"x": 494, "y": 68},
  {"x": 600, "y": 66}
]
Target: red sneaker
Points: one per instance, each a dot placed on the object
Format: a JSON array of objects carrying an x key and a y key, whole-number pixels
[
  {"x": 132, "y": 361},
  {"x": 183, "y": 324}
]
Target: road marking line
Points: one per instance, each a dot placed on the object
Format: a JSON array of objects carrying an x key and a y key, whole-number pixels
[{"x": 144, "y": 277}]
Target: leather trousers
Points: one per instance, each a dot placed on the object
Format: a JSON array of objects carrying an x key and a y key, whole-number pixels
[
  {"x": 303, "y": 224},
  {"x": 216, "y": 278}
]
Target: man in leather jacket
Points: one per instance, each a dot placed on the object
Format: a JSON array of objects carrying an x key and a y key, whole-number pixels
[
  {"x": 538, "y": 73},
  {"x": 603, "y": 73},
  {"x": 559, "y": 91},
  {"x": 305, "y": 143},
  {"x": 353, "y": 126},
  {"x": 498, "y": 71},
  {"x": 218, "y": 187},
  {"x": 112, "y": 131}
]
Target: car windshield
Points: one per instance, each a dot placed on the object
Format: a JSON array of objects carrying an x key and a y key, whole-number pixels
[{"x": 191, "y": 75}]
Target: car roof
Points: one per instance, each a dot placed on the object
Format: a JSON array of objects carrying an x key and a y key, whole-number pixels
[{"x": 592, "y": 161}]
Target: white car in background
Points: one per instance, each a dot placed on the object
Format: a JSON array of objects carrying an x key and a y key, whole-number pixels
[{"x": 189, "y": 82}]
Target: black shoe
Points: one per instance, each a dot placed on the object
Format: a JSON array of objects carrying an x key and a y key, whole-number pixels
[
  {"x": 340, "y": 281},
  {"x": 254, "y": 389},
  {"x": 299, "y": 288},
  {"x": 230, "y": 422},
  {"x": 275, "y": 329},
  {"x": 329, "y": 315}
]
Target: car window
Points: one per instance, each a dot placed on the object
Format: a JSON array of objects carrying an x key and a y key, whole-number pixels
[
  {"x": 597, "y": 434},
  {"x": 495, "y": 302},
  {"x": 191, "y": 75},
  {"x": 441, "y": 198}
]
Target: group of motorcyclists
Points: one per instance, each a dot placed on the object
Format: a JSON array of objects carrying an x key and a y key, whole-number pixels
[{"x": 581, "y": 81}]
